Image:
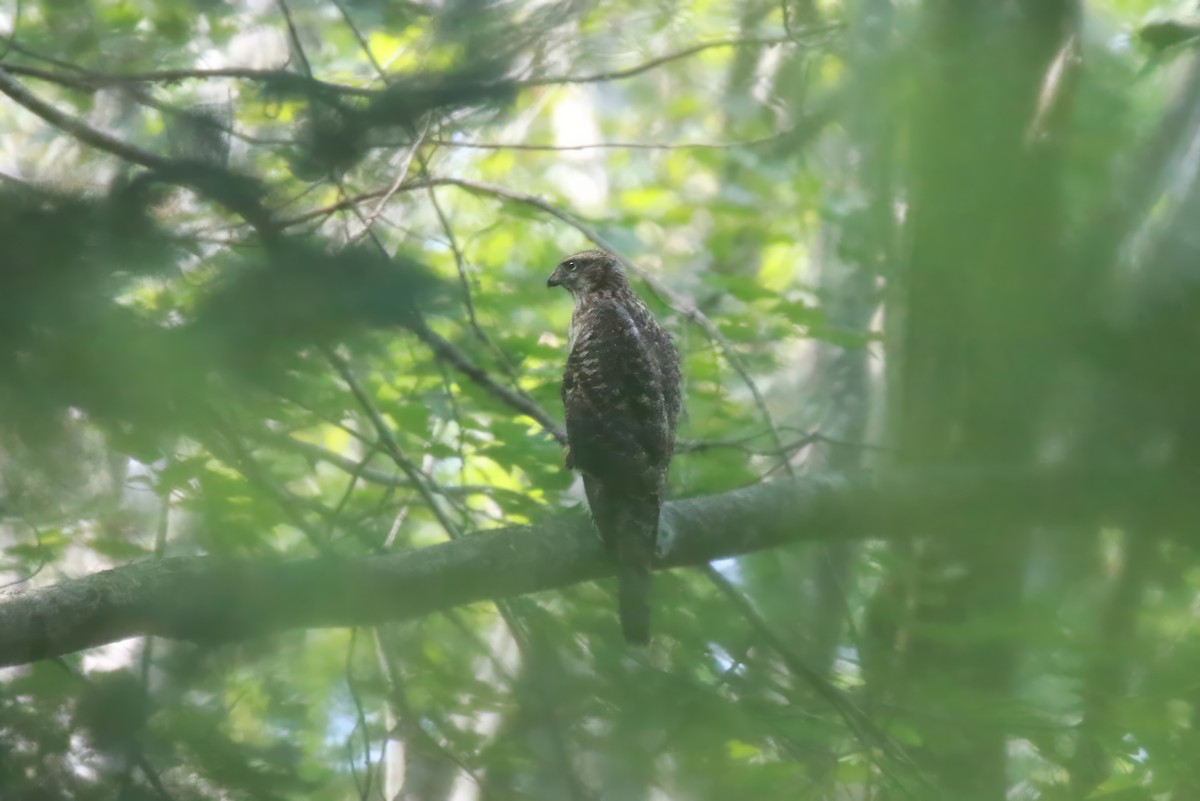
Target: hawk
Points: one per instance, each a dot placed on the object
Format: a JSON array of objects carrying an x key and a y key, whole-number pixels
[{"x": 620, "y": 393}]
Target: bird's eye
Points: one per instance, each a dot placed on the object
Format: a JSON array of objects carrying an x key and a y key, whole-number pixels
[{"x": 572, "y": 266}]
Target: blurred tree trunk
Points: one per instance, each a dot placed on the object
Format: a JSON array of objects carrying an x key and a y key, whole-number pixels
[
  {"x": 1109, "y": 668},
  {"x": 978, "y": 315},
  {"x": 536, "y": 725},
  {"x": 856, "y": 252},
  {"x": 413, "y": 767},
  {"x": 1160, "y": 304}
]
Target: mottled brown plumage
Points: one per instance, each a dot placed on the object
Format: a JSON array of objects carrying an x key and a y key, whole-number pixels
[{"x": 621, "y": 397}]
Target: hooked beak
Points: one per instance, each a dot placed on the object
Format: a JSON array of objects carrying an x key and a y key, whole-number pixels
[{"x": 555, "y": 278}]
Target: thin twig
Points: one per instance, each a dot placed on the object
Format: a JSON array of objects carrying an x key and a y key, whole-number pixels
[
  {"x": 136, "y": 752},
  {"x": 804, "y": 130},
  {"x": 673, "y": 299},
  {"x": 456, "y": 416},
  {"x": 460, "y": 262},
  {"x": 246, "y": 464},
  {"x": 385, "y": 645},
  {"x": 646, "y": 66},
  {"x": 43, "y": 559},
  {"x": 343, "y": 203},
  {"x": 80, "y": 129},
  {"x": 444, "y": 349},
  {"x": 668, "y": 295},
  {"x": 360, "y": 722},
  {"x": 863, "y": 727},
  {"x": 363, "y": 44},
  {"x": 612, "y": 145},
  {"x": 91, "y": 80},
  {"x": 355, "y": 474},
  {"x": 701, "y": 445},
  {"x": 294, "y": 36},
  {"x": 405, "y": 162},
  {"x": 392, "y": 448},
  {"x": 205, "y": 179},
  {"x": 375, "y": 475}
]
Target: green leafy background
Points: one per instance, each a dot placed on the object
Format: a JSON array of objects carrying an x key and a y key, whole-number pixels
[{"x": 166, "y": 388}]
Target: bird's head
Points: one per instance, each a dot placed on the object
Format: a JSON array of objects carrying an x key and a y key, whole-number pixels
[{"x": 588, "y": 271}]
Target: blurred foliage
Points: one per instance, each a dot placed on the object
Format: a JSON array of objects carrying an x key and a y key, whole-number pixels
[{"x": 886, "y": 235}]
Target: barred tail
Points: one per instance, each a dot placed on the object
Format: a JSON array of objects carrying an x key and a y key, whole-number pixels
[
  {"x": 628, "y": 526},
  {"x": 633, "y": 590}
]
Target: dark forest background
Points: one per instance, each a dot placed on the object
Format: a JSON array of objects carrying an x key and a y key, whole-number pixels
[{"x": 283, "y": 507}]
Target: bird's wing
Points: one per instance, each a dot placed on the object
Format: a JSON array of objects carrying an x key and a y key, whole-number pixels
[
  {"x": 617, "y": 419},
  {"x": 668, "y": 367}
]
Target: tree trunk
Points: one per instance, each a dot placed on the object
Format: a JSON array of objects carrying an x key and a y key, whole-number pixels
[{"x": 978, "y": 304}]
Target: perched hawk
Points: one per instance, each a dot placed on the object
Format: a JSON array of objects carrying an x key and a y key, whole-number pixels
[{"x": 621, "y": 396}]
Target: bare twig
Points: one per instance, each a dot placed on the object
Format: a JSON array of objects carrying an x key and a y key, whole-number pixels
[
  {"x": 646, "y": 66},
  {"x": 80, "y": 129},
  {"x": 463, "y": 363},
  {"x": 401, "y": 173},
  {"x": 761, "y": 140},
  {"x": 673, "y": 299},
  {"x": 445, "y": 350},
  {"x": 294, "y": 36},
  {"x": 701, "y": 445},
  {"x": 461, "y": 263},
  {"x": 344, "y": 203},
  {"x": 363, "y": 44},
  {"x": 422, "y": 482},
  {"x": 91, "y": 80},
  {"x": 802, "y": 131}
]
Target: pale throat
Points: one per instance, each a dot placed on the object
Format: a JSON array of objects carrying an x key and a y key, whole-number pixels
[
  {"x": 573, "y": 328},
  {"x": 581, "y": 299}
]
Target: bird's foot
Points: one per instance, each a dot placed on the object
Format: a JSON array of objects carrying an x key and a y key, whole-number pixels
[
  {"x": 665, "y": 542},
  {"x": 608, "y": 548}
]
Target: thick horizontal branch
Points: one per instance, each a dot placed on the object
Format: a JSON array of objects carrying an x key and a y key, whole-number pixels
[{"x": 211, "y": 599}]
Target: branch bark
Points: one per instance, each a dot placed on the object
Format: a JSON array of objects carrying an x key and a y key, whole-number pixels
[{"x": 211, "y": 599}]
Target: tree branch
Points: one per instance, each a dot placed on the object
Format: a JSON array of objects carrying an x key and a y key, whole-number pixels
[
  {"x": 91, "y": 80},
  {"x": 235, "y": 192},
  {"x": 211, "y": 599},
  {"x": 755, "y": 142},
  {"x": 80, "y": 129},
  {"x": 646, "y": 66},
  {"x": 672, "y": 298},
  {"x": 462, "y": 362}
]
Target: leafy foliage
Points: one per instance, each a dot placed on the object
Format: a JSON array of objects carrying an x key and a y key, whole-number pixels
[{"x": 273, "y": 287}]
